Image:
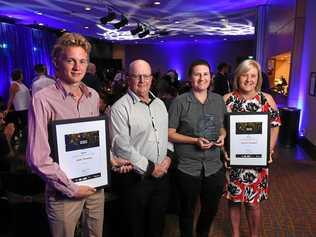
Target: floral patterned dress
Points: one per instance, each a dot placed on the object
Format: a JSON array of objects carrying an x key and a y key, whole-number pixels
[{"x": 249, "y": 185}]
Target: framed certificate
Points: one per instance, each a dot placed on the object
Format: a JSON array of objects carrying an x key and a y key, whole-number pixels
[
  {"x": 81, "y": 148},
  {"x": 248, "y": 139}
]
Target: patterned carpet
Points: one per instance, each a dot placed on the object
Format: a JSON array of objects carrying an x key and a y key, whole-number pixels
[{"x": 290, "y": 210}]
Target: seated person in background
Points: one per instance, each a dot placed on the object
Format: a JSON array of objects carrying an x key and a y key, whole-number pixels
[{"x": 41, "y": 80}]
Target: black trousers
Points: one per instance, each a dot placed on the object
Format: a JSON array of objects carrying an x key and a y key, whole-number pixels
[
  {"x": 143, "y": 205},
  {"x": 209, "y": 189}
]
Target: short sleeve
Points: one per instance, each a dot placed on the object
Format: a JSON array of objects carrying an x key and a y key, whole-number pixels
[{"x": 224, "y": 109}]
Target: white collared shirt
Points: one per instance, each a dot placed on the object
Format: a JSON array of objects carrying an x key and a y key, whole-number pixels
[{"x": 139, "y": 131}]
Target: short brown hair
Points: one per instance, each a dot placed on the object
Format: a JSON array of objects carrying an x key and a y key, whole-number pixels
[
  {"x": 244, "y": 67},
  {"x": 197, "y": 63},
  {"x": 70, "y": 40},
  {"x": 40, "y": 69}
]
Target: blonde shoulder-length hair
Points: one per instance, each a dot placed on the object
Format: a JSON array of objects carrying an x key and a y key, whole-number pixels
[{"x": 244, "y": 67}]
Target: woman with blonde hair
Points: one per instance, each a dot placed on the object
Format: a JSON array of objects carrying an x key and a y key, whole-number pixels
[{"x": 249, "y": 185}]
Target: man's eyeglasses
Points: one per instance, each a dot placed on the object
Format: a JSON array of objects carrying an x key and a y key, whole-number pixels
[{"x": 138, "y": 77}]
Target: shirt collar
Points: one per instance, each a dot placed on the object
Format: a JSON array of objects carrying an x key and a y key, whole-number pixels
[
  {"x": 84, "y": 89},
  {"x": 136, "y": 99},
  {"x": 191, "y": 98}
]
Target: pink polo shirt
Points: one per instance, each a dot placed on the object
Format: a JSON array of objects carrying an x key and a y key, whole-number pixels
[{"x": 55, "y": 103}]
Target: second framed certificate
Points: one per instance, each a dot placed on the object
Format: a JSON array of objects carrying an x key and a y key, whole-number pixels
[
  {"x": 81, "y": 147},
  {"x": 248, "y": 139}
]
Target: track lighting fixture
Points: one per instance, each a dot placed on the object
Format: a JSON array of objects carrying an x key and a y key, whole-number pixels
[
  {"x": 144, "y": 33},
  {"x": 163, "y": 32},
  {"x": 137, "y": 30},
  {"x": 109, "y": 17},
  {"x": 121, "y": 23}
]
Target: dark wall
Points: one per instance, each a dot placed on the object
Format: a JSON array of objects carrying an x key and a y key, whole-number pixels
[
  {"x": 100, "y": 49},
  {"x": 179, "y": 55}
]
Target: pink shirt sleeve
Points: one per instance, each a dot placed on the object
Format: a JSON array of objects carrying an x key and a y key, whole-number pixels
[{"x": 38, "y": 150}]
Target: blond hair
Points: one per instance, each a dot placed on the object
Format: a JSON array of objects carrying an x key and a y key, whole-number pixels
[
  {"x": 70, "y": 40},
  {"x": 244, "y": 67}
]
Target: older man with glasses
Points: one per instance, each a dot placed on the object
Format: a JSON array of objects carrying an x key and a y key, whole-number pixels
[{"x": 139, "y": 129}]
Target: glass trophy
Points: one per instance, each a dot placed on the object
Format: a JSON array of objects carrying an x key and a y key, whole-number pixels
[{"x": 207, "y": 127}]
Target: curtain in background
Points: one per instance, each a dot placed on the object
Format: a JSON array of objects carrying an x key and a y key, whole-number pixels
[{"x": 23, "y": 47}]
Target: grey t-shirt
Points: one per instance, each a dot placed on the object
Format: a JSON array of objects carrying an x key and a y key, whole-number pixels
[{"x": 189, "y": 117}]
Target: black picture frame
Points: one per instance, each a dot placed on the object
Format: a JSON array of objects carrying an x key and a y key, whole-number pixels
[
  {"x": 248, "y": 139},
  {"x": 87, "y": 141}
]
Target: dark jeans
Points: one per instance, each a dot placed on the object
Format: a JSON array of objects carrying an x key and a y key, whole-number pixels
[
  {"x": 144, "y": 203},
  {"x": 209, "y": 189}
]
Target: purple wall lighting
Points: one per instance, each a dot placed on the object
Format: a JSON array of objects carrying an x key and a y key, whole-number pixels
[
  {"x": 179, "y": 55},
  {"x": 298, "y": 96},
  {"x": 22, "y": 47}
]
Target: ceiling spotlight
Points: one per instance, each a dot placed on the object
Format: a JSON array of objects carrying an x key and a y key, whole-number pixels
[
  {"x": 110, "y": 17},
  {"x": 87, "y": 8},
  {"x": 121, "y": 23},
  {"x": 138, "y": 29},
  {"x": 157, "y": 3},
  {"x": 163, "y": 32},
  {"x": 144, "y": 33}
]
